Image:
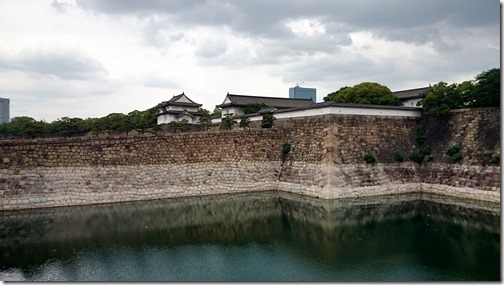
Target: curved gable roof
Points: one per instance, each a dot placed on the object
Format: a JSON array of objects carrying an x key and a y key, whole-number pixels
[{"x": 180, "y": 100}]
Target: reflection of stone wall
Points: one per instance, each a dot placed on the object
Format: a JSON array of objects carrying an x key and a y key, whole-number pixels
[
  {"x": 232, "y": 218},
  {"x": 326, "y": 161},
  {"x": 214, "y": 213}
]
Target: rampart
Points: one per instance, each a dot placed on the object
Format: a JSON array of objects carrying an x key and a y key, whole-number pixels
[{"x": 326, "y": 161}]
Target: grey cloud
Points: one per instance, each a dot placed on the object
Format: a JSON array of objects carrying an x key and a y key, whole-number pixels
[
  {"x": 419, "y": 22},
  {"x": 177, "y": 37},
  {"x": 140, "y": 8},
  {"x": 209, "y": 49},
  {"x": 293, "y": 49},
  {"x": 60, "y": 7},
  {"x": 65, "y": 64},
  {"x": 266, "y": 18},
  {"x": 336, "y": 69},
  {"x": 157, "y": 82}
]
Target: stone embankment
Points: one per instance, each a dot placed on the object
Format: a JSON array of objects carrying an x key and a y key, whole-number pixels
[{"x": 326, "y": 161}]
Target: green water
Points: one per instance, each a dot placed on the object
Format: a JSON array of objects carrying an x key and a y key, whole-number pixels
[{"x": 255, "y": 237}]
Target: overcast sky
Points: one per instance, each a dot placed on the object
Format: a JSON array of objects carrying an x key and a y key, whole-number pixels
[{"x": 89, "y": 58}]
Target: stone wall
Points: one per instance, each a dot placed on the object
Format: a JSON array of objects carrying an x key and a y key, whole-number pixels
[
  {"x": 477, "y": 132},
  {"x": 87, "y": 170},
  {"x": 326, "y": 161}
]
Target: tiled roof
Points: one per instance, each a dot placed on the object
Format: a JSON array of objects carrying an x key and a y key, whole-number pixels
[
  {"x": 173, "y": 102},
  {"x": 278, "y": 102},
  {"x": 411, "y": 93},
  {"x": 179, "y": 112}
]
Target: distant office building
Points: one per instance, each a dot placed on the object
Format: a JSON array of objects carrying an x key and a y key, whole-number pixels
[
  {"x": 303, "y": 93},
  {"x": 4, "y": 110}
]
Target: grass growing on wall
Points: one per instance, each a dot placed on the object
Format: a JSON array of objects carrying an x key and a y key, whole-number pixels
[{"x": 369, "y": 158}]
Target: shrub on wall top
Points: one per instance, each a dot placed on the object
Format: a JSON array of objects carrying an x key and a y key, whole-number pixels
[{"x": 268, "y": 121}]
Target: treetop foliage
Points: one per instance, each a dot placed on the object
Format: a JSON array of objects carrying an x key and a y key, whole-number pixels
[
  {"x": 27, "y": 127},
  {"x": 364, "y": 93},
  {"x": 484, "y": 91},
  {"x": 228, "y": 122},
  {"x": 253, "y": 108}
]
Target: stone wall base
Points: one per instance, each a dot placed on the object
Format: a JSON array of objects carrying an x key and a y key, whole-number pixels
[{"x": 461, "y": 192}]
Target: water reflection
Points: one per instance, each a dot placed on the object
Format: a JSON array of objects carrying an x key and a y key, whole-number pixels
[{"x": 258, "y": 237}]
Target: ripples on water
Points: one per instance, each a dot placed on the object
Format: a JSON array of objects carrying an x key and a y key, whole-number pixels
[{"x": 255, "y": 237}]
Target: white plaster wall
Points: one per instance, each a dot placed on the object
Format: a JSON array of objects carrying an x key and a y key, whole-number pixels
[
  {"x": 375, "y": 112},
  {"x": 411, "y": 102},
  {"x": 331, "y": 110},
  {"x": 236, "y": 111},
  {"x": 190, "y": 119},
  {"x": 165, "y": 119}
]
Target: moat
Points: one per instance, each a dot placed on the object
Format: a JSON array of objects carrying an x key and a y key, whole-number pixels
[{"x": 269, "y": 236}]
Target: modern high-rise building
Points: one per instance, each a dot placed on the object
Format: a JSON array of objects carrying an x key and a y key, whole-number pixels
[
  {"x": 4, "y": 110},
  {"x": 303, "y": 93}
]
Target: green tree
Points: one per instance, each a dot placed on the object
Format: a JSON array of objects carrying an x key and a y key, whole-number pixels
[
  {"x": 366, "y": 93},
  {"x": 205, "y": 123},
  {"x": 228, "y": 122},
  {"x": 150, "y": 117},
  {"x": 125, "y": 124},
  {"x": 245, "y": 122},
  {"x": 484, "y": 91},
  {"x": 268, "y": 121},
  {"x": 487, "y": 89},
  {"x": 98, "y": 125},
  {"x": 18, "y": 124},
  {"x": 441, "y": 98},
  {"x": 173, "y": 126},
  {"x": 205, "y": 112},
  {"x": 137, "y": 121},
  {"x": 184, "y": 125},
  {"x": 330, "y": 96},
  {"x": 178, "y": 126},
  {"x": 4, "y": 130},
  {"x": 253, "y": 108},
  {"x": 35, "y": 129},
  {"x": 216, "y": 112},
  {"x": 117, "y": 122},
  {"x": 26, "y": 127},
  {"x": 68, "y": 127}
]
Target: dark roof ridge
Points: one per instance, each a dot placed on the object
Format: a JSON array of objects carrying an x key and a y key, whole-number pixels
[
  {"x": 426, "y": 87},
  {"x": 229, "y": 94},
  {"x": 176, "y": 97}
]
